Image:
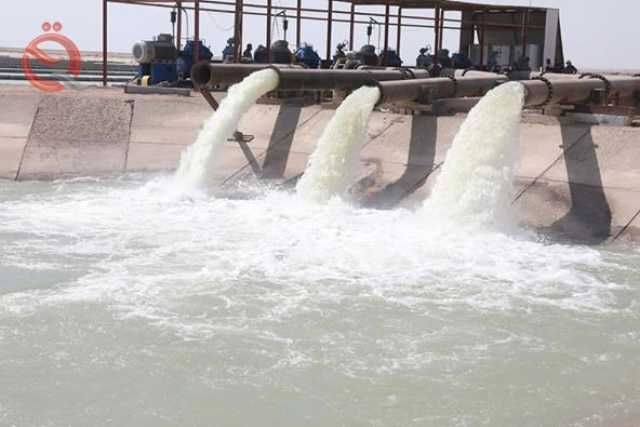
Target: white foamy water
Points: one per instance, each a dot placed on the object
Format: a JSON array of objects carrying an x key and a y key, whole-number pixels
[
  {"x": 198, "y": 160},
  {"x": 120, "y": 307},
  {"x": 475, "y": 184},
  {"x": 334, "y": 165}
]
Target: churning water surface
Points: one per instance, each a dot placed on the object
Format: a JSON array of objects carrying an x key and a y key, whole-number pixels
[
  {"x": 125, "y": 302},
  {"x": 122, "y": 305}
]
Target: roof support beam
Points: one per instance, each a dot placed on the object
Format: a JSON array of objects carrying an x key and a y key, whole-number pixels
[
  {"x": 483, "y": 32},
  {"x": 105, "y": 50},
  {"x": 399, "y": 32},
  {"x": 329, "y": 29},
  {"x": 436, "y": 29},
  {"x": 352, "y": 17},
  {"x": 196, "y": 33},
  {"x": 441, "y": 37},
  {"x": 269, "y": 11},
  {"x": 237, "y": 31},
  {"x": 525, "y": 21},
  {"x": 179, "y": 29},
  {"x": 385, "y": 54},
  {"x": 299, "y": 24}
]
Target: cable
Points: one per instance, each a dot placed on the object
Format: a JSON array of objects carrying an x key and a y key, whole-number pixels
[
  {"x": 186, "y": 15},
  {"x": 218, "y": 26}
]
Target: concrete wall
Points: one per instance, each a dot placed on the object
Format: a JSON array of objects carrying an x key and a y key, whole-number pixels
[{"x": 575, "y": 181}]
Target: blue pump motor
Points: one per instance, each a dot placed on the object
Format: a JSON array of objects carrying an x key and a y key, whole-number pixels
[
  {"x": 393, "y": 60},
  {"x": 163, "y": 71},
  {"x": 185, "y": 60},
  {"x": 308, "y": 56}
]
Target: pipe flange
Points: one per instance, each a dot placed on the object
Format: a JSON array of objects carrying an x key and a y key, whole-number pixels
[
  {"x": 549, "y": 90},
  {"x": 407, "y": 73},
  {"x": 607, "y": 83}
]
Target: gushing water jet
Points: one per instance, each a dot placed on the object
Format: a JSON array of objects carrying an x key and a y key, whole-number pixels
[
  {"x": 476, "y": 181},
  {"x": 334, "y": 164},
  {"x": 197, "y": 163}
]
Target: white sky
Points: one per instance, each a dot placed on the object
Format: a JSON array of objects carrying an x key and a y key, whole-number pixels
[{"x": 596, "y": 33}]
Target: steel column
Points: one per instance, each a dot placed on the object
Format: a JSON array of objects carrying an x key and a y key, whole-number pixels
[
  {"x": 329, "y": 28},
  {"x": 179, "y": 29},
  {"x": 104, "y": 43},
  {"x": 436, "y": 29},
  {"x": 483, "y": 28},
  {"x": 525, "y": 22},
  {"x": 387, "y": 12},
  {"x": 398, "y": 35},
  {"x": 352, "y": 18},
  {"x": 299, "y": 24},
  {"x": 196, "y": 33},
  {"x": 237, "y": 30},
  {"x": 442, "y": 22},
  {"x": 269, "y": 6}
]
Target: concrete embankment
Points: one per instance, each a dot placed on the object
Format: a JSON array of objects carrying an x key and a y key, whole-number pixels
[{"x": 577, "y": 181}]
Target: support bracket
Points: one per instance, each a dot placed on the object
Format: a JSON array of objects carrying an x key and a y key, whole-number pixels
[{"x": 242, "y": 139}]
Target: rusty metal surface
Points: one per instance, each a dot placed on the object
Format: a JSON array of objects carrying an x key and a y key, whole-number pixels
[
  {"x": 404, "y": 84},
  {"x": 540, "y": 91},
  {"x": 205, "y": 74},
  {"x": 429, "y": 89},
  {"x": 301, "y": 79}
]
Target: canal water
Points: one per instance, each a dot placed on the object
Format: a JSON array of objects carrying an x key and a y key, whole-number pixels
[
  {"x": 147, "y": 301},
  {"x": 122, "y": 304}
]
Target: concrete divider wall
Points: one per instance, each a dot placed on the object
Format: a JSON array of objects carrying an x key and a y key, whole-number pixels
[
  {"x": 17, "y": 111},
  {"x": 578, "y": 181}
]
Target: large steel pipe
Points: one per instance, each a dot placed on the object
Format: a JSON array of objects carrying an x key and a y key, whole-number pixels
[
  {"x": 302, "y": 79},
  {"x": 404, "y": 84},
  {"x": 539, "y": 91},
  {"x": 441, "y": 87},
  {"x": 205, "y": 74},
  {"x": 528, "y": 75},
  {"x": 542, "y": 91},
  {"x": 296, "y": 78},
  {"x": 624, "y": 86}
]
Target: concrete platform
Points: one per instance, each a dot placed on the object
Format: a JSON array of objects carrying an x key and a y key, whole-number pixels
[{"x": 576, "y": 181}]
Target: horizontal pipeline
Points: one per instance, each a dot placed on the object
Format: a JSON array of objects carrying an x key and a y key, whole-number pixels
[
  {"x": 205, "y": 74},
  {"x": 539, "y": 91},
  {"x": 440, "y": 87},
  {"x": 405, "y": 84},
  {"x": 542, "y": 91},
  {"x": 297, "y": 78},
  {"x": 303, "y": 79}
]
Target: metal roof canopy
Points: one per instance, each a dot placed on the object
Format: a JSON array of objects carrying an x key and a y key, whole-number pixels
[
  {"x": 450, "y": 5},
  {"x": 439, "y": 21}
]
